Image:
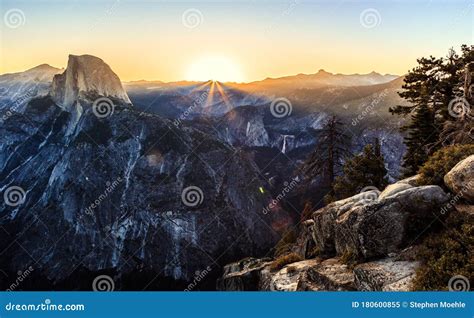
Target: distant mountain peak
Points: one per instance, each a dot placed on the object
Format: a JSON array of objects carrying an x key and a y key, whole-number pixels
[
  {"x": 323, "y": 72},
  {"x": 85, "y": 75},
  {"x": 43, "y": 68}
]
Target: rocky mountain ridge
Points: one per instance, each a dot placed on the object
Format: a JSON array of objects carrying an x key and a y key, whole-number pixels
[
  {"x": 123, "y": 192},
  {"x": 377, "y": 231}
]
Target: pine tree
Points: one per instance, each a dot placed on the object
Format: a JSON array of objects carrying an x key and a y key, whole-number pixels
[
  {"x": 422, "y": 132},
  {"x": 430, "y": 89},
  {"x": 419, "y": 86},
  {"x": 364, "y": 169},
  {"x": 326, "y": 159}
]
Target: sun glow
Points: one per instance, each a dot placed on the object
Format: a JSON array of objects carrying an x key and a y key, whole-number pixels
[{"x": 215, "y": 68}]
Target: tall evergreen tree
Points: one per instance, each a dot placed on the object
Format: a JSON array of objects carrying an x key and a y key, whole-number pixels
[
  {"x": 364, "y": 169},
  {"x": 430, "y": 88},
  {"x": 326, "y": 159},
  {"x": 422, "y": 132}
]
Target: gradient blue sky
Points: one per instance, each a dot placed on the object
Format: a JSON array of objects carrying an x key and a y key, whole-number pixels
[{"x": 147, "y": 39}]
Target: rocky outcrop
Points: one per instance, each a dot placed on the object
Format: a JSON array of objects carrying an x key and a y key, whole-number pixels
[
  {"x": 368, "y": 242},
  {"x": 393, "y": 189},
  {"x": 413, "y": 181},
  {"x": 325, "y": 219},
  {"x": 242, "y": 275},
  {"x": 330, "y": 275},
  {"x": 286, "y": 279},
  {"x": 304, "y": 246},
  {"x": 86, "y": 75},
  {"x": 460, "y": 179},
  {"x": 310, "y": 275},
  {"x": 379, "y": 227},
  {"x": 385, "y": 275}
]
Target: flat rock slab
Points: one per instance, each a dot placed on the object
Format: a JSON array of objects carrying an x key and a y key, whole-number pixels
[
  {"x": 385, "y": 275},
  {"x": 287, "y": 278},
  {"x": 331, "y": 275}
]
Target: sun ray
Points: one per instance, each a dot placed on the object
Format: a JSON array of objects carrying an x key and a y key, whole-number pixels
[
  {"x": 202, "y": 86},
  {"x": 210, "y": 96},
  {"x": 224, "y": 96}
]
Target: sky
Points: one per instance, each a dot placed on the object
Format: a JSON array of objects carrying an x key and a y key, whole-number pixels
[{"x": 232, "y": 40}]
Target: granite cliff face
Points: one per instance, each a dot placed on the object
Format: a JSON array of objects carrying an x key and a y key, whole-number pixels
[
  {"x": 122, "y": 192},
  {"x": 84, "y": 75}
]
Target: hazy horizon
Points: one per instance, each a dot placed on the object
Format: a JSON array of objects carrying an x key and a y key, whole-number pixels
[
  {"x": 232, "y": 42},
  {"x": 185, "y": 80}
]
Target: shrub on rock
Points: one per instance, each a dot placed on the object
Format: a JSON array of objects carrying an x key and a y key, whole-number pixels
[
  {"x": 441, "y": 162},
  {"x": 283, "y": 260},
  {"x": 460, "y": 179},
  {"x": 446, "y": 253}
]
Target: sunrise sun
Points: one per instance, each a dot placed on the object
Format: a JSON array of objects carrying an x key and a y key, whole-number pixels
[{"x": 216, "y": 68}]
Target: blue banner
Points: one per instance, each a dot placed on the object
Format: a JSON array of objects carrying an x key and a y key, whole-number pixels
[{"x": 237, "y": 304}]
